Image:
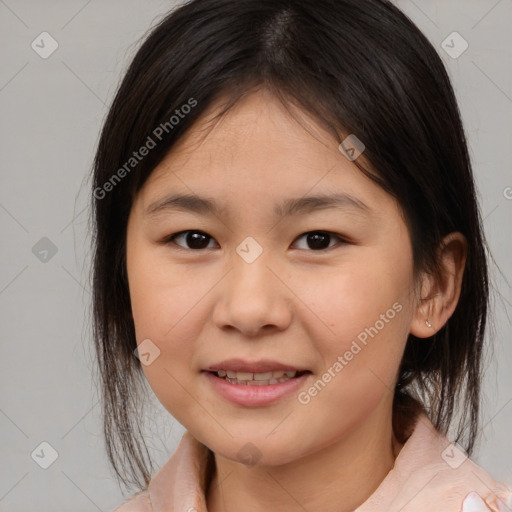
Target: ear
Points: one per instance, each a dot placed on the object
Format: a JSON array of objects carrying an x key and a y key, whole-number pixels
[{"x": 439, "y": 294}]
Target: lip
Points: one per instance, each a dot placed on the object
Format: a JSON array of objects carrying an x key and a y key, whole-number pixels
[
  {"x": 240, "y": 365},
  {"x": 254, "y": 396}
]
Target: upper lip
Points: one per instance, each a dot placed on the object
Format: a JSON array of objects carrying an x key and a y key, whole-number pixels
[{"x": 240, "y": 365}]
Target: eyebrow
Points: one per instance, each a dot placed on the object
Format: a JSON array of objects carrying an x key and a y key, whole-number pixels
[{"x": 289, "y": 207}]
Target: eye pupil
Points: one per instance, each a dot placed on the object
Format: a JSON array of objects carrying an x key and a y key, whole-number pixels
[
  {"x": 196, "y": 240},
  {"x": 318, "y": 239}
]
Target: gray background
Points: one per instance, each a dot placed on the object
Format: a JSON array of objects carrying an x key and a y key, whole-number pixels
[{"x": 52, "y": 110}]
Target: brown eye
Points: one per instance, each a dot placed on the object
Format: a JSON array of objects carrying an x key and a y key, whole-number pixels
[
  {"x": 319, "y": 240},
  {"x": 196, "y": 240}
]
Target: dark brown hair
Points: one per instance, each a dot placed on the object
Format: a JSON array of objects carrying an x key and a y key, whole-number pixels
[{"x": 357, "y": 67}]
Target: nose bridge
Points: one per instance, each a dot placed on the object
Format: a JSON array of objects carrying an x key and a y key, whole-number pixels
[
  {"x": 252, "y": 275},
  {"x": 251, "y": 261}
]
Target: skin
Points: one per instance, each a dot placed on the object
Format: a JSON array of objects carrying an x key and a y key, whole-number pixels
[{"x": 295, "y": 304}]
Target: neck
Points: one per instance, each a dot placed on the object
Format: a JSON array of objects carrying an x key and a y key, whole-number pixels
[{"x": 337, "y": 478}]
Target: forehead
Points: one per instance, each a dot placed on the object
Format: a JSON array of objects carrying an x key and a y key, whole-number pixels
[{"x": 258, "y": 151}]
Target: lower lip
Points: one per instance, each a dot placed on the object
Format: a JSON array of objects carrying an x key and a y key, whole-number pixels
[{"x": 254, "y": 396}]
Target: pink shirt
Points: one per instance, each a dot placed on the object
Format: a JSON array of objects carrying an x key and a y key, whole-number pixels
[{"x": 429, "y": 475}]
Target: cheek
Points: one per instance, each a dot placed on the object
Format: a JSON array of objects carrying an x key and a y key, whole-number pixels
[
  {"x": 367, "y": 315},
  {"x": 163, "y": 297},
  {"x": 355, "y": 297},
  {"x": 363, "y": 315},
  {"x": 164, "y": 304},
  {"x": 163, "y": 314}
]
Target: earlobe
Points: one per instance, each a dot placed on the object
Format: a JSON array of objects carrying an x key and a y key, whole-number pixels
[
  {"x": 424, "y": 323},
  {"x": 440, "y": 293}
]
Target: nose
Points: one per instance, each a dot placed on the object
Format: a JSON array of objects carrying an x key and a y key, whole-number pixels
[{"x": 253, "y": 299}]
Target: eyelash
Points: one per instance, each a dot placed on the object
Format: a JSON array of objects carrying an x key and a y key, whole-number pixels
[{"x": 171, "y": 239}]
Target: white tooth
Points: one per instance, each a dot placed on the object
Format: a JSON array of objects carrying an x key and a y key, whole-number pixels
[
  {"x": 244, "y": 375},
  {"x": 256, "y": 379},
  {"x": 263, "y": 376}
]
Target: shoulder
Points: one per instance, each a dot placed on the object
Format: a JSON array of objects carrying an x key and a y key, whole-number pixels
[
  {"x": 436, "y": 472},
  {"x": 448, "y": 486},
  {"x": 139, "y": 502},
  {"x": 179, "y": 484},
  {"x": 432, "y": 473}
]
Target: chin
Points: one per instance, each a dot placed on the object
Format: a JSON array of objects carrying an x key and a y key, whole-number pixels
[{"x": 257, "y": 450}]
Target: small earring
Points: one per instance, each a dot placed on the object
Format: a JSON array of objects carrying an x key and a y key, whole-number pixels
[{"x": 428, "y": 323}]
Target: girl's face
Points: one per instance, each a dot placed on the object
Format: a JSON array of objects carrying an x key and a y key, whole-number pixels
[{"x": 268, "y": 275}]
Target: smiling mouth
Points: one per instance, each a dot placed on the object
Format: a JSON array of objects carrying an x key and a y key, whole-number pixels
[{"x": 257, "y": 379}]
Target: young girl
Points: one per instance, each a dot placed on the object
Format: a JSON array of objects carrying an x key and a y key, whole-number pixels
[{"x": 308, "y": 376}]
